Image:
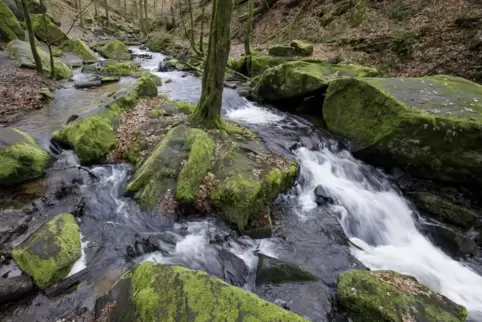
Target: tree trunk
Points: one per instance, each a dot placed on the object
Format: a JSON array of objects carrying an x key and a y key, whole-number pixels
[
  {"x": 96, "y": 13},
  {"x": 141, "y": 17},
  {"x": 249, "y": 28},
  {"x": 135, "y": 9},
  {"x": 201, "y": 37},
  {"x": 208, "y": 110},
  {"x": 193, "y": 41},
  {"x": 173, "y": 15},
  {"x": 125, "y": 4},
  {"x": 81, "y": 15},
  {"x": 146, "y": 19},
  {"x": 106, "y": 4},
  {"x": 31, "y": 38},
  {"x": 52, "y": 65}
]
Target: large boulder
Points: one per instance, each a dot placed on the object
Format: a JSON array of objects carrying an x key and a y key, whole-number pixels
[
  {"x": 94, "y": 136},
  {"x": 159, "y": 41},
  {"x": 112, "y": 68},
  {"x": 239, "y": 181},
  {"x": 115, "y": 49},
  {"x": 159, "y": 292},
  {"x": 254, "y": 65},
  {"x": 386, "y": 296},
  {"x": 46, "y": 30},
  {"x": 20, "y": 51},
  {"x": 49, "y": 253},
  {"x": 430, "y": 126},
  {"x": 80, "y": 48},
  {"x": 21, "y": 158},
  {"x": 10, "y": 28},
  {"x": 34, "y": 6},
  {"x": 300, "y": 79}
]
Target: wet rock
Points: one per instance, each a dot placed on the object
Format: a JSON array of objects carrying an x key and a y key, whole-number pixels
[
  {"x": 184, "y": 75},
  {"x": 275, "y": 271},
  {"x": 172, "y": 291},
  {"x": 15, "y": 288},
  {"x": 142, "y": 56},
  {"x": 79, "y": 208},
  {"x": 21, "y": 158},
  {"x": 72, "y": 118},
  {"x": 321, "y": 196},
  {"x": 331, "y": 226},
  {"x": 430, "y": 126},
  {"x": 167, "y": 81},
  {"x": 445, "y": 211},
  {"x": 120, "y": 69},
  {"x": 88, "y": 83},
  {"x": 282, "y": 303},
  {"x": 257, "y": 64},
  {"x": 234, "y": 269},
  {"x": 49, "y": 253},
  {"x": 299, "y": 79},
  {"x": 389, "y": 296},
  {"x": 307, "y": 143},
  {"x": 21, "y": 52},
  {"x": 403, "y": 179},
  {"x": 455, "y": 244},
  {"x": 115, "y": 49}
]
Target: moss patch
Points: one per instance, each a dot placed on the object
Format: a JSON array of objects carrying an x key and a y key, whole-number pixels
[
  {"x": 171, "y": 293},
  {"x": 21, "y": 158},
  {"x": 49, "y": 253},
  {"x": 10, "y": 28},
  {"x": 159, "y": 41},
  {"x": 121, "y": 69},
  {"x": 381, "y": 296},
  {"x": 46, "y": 30},
  {"x": 80, "y": 48},
  {"x": 115, "y": 49}
]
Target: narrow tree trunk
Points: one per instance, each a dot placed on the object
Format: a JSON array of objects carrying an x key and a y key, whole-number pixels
[
  {"x": 208, "y": 110},
  {"x": 106, "y": 4},
  {"x": 81, "y": 15},
  {"x": 192, "y": 22},
  {"x": 31, "y": 38},
  {"x": 96, "y": 13},
  {"x": 125, "y": 4},
  {"x": 146, "y": 19},
  {"x": 135, "y": 9},
  {"x": 249, "y": 28},
  {"x": 173, "y": 15},
  {"x": 141, "y": 18},
  {"x": 201, "y": 37},
  {"x": 52, "y": 65}
]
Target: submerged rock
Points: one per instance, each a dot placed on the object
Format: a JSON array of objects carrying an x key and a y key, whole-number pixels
[
  {"x": 299, "y": 79},
  {"x": 20, "y": 51},
  {"x": 49, "y": 253},
  {"x": 46, "y": 30},
  {"x": 94, "y": 136},
  {"x": 166, "y": 293},
  {"x": 10, "y": 28},
  {"x": 21, "y": 158},
  {"x": 115, "y": 49},
  {"x": 80, "y": 48},
  {"x": 321, "y": 196},
  {"x": 15, "y": 288},
  {"x": 430, "y": 126},
  {"x": 386, "y": 296},
  {"x": 272, "y": 270},
  {"x": 445, "y": 211}
]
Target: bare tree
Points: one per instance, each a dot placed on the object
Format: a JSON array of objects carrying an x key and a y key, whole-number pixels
[
  {"x": 31, "y": 38},
  {"x": 201, "y": 36}
]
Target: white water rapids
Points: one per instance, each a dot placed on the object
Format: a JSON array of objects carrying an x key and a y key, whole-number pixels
[{"x": 376, "y": 218}]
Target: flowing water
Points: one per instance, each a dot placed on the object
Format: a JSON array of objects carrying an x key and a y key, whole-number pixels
[{"x": 367, "y": 208}]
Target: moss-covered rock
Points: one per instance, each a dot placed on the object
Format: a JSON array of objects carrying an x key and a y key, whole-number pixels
[
  {"x": 255, "y": 64},
  {"x": 21, "y": 158},
  {"x": 302, "y": 48},
  {"x": 430, "y": 126},
  {"x": 445, "y": 211},
  {"x": 184, "y": 107},
  {"x": 94, "y": 136},
  {"x": 56, "y": 52},
  {"x": 115, "y": 49},
  {"x": 301, "y": 79},
  {"x": 46, "y": 30},
  {"x": 80, "y": 48},
  {"x": 282, "y": 51},
  {"x": 159, "y": 292},
  {"x": 386, "y": 296},
  {"x": 121, "y": 69},
  {"x": 49, "y": 254},
  {"x": 20, "y": 51},
  {"x": 34, "y": 6},
  {"x": 159, "y": 41},
  {"x": 10, "y": 28}
]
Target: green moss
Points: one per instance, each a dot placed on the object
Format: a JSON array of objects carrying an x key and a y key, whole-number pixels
[
  {"x": 21, "y": 158},
  {"x": 10, "y": 28},
  {"x": 115, "y": 49},
  {"x": 91, "y": 138},
  {"x": 21, "y": 51},
  {"x": 159, "y": 42},
  {"x": 302, "y": 48},
  {"x": 431, "y": 125},
  {"x": 146, "y": 85},
  {"x": 166, "y": 293},
  {"x": 56, "y": 52},
  {"x": 198, "y": 164},
  {"x": 80, "y": 48},
  {"x": 299, "y": 79},
  {"x": 444, "y": 210},
  {"x": 371, "y": 296},
  {"x": 49, "y": 253},
  {"x": 121, "y": 69},
  {"x": 184, "y": 107},
  {"x": 46, "y": 30}
]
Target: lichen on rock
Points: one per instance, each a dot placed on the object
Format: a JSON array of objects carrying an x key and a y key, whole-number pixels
[
  {"x": 49, "y": 253},
  {"x": 21, "y": 158},
  {"x": 386, "y": 296},
  {"x": 431, "y": 126},
  {"x": 168, "y": 293},
  {"x": 20, "y": 51}
]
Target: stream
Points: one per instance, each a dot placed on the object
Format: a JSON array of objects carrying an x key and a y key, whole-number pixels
[{"x": 368, "y": 208}]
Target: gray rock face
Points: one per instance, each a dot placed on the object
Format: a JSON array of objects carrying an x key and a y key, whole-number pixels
[{"x": 274, "y": 271}]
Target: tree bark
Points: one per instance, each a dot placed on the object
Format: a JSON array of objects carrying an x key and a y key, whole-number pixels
[
  {"x": 31, "y": 38},
  {"x": 173, "y": 15},
  {"x": 146, "y": 19},
  {"x": 192, "y": 22},
  {"x": 96, "y": 13},
  {"x": 201, "y": 37},
  {"x": 106, "y": 4},
  {"x": 208, "y": 110},
  {"x": 249, "y": 28}
]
